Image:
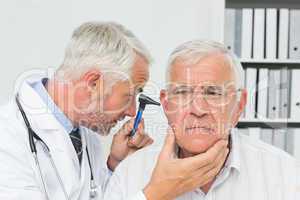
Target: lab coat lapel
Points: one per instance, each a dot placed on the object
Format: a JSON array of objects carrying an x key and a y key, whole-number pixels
[
  {"x": 53, "y": 134},
  {"x": 83, "y": 186}
]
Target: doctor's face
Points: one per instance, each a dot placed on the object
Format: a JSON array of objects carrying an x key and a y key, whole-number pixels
[
  {"x": 201, "y": 102},
  {"x": 107, "y": 103}
]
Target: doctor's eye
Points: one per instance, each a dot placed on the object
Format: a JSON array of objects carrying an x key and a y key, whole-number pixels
[{"x": 140, "y": 90}]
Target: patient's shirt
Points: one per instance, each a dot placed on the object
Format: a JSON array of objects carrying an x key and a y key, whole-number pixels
[{"x": 253, "y": 171}]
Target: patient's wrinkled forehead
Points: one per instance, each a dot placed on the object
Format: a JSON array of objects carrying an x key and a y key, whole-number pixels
[{"x": 213, "y": 68}]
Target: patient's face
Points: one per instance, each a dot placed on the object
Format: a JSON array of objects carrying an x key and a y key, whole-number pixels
[{"x": 201, "y": 102}]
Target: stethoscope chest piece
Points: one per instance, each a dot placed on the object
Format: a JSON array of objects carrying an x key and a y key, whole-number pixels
[{"x": 93, "y": 190}]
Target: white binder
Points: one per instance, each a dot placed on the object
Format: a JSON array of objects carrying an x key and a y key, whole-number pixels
[
  {"x": 285, "y": 84},
  {"x": 254, "y": 133},
  {"x": 238, "y": 32},
  {"x": 285, "y": 77},
  {"x": 247, "y": 20},
  {"x": 259, "y": 34},
  {"x": 290, "y": 141},
  {"x": 294, "y": 48},
  {"x": 294, "y": 53},
  {"x": 243, "y": 131},
  {"x": 279, "y": 138},
  {"x": 295, "y": 100},
  {"x": 251, "y": 89},
  {"x": 271, "y": 33},
  {"x": 293, "y": 142},
  {"x": 283, "y": 37},
  {"x": 274, "y": 93},
  {"x": 267, "y": 135},
  {"x": 229, "y": 28},
  {"x": 263, "y": 81}
]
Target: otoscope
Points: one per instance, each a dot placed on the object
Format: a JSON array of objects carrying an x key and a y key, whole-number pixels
[{"x": 144, "y": 100}]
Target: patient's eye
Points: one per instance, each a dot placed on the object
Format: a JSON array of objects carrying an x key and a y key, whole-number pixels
[
  {"x": 182, "y": 91},
  {"x": 213, "y": 91}
]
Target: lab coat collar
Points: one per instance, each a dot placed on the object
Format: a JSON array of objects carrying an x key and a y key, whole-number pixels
[
  {"x": 34, "y": 106},
  {"x": 39, "y": 88}
]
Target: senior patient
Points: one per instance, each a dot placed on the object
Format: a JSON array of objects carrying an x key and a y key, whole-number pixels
[{"x": 203, "y": 101}]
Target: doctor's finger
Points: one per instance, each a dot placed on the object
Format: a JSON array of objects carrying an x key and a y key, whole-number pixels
[
  {"x": 219, "y": 160},
  {"x": 136, "y": 140},
  {"x": 124, "y": 131},
  {"x": 129, "y": 126},
  {"x": 208, "y": 157},
  {"x": 147, "y": 140},
  {"x": 212, "y": 173},
  {"x": 206, "y": 174}
]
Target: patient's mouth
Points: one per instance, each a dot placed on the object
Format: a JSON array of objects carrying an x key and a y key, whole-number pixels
[{"x": 199, "y": 129}]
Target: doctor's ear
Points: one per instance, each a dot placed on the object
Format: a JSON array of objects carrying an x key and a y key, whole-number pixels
[{"x": 92, "y": 78}]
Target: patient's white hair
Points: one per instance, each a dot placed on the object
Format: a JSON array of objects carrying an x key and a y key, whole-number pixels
[
  {"x": 107, "y": 46},
  {"x": 191, "y": 52}
]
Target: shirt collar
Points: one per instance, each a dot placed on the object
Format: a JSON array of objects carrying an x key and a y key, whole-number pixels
[
  {"x": 39, "y": 87},
  {"x": 233, "y": 161}
]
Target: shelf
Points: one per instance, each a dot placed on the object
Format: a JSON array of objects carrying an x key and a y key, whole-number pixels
[
  {"x": 274, "y": 63},
  {"x": 293, "y": 4},
  {"x": 268, "y": 123}
]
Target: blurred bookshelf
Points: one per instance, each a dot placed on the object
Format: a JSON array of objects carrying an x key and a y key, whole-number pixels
[{"x": 264, "y": 34}]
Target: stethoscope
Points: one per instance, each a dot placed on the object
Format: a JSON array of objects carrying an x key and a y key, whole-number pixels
[{"x": 32, "y": 135}]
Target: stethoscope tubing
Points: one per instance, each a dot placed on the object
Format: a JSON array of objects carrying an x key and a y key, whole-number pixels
[{"x": 31, "y": 136}]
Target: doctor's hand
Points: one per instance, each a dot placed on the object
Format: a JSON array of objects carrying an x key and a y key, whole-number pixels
[
  {"x": 173, "y": 177},
  {"x": 124, "y": 145}
]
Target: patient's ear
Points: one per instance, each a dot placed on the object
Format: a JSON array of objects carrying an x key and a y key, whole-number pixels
[
  {"x": 240, "y": 107},
  {"x": 163, "y": 99}
]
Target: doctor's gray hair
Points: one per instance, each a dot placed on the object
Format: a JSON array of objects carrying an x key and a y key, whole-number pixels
[
  {"x": 191, "y": 53},
  {"x": 107, "y": 46}
]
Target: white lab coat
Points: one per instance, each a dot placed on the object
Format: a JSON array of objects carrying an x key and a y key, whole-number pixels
[{"x": 19, "y": 177}]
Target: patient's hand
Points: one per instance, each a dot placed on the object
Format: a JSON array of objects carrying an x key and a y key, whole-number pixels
[{"x": 173, "y": 177}]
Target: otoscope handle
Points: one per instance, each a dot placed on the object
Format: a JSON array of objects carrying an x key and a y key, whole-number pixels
[
  {"x": 137, "y": 121},
  {"x": 144, "y": 100}
]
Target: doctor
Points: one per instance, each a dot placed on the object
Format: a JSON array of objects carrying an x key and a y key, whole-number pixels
[{"x": 49, "y": 146}]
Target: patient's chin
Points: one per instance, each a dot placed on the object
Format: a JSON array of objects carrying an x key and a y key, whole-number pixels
[{"x": 196, "y": 145}]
